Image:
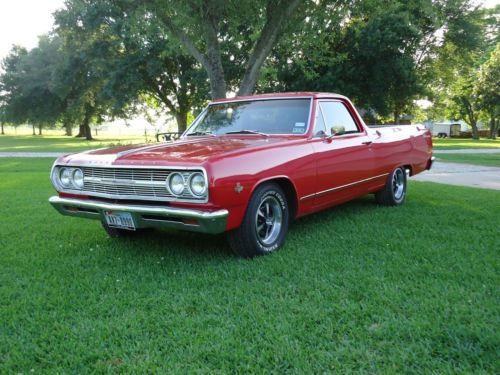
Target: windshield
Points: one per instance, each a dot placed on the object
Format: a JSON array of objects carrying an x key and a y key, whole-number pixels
[{"x": 276, "y": 116}]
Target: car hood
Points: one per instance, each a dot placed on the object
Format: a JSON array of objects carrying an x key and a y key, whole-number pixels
[{"x": 182, "y": 152}]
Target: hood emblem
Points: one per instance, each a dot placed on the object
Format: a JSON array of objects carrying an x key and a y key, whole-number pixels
[{"x": 238, "y": 188}]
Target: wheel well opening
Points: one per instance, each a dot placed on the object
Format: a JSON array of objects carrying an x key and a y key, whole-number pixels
[
  {"x": 408, "y": 167},
  {"x": 291, "y": 194}
]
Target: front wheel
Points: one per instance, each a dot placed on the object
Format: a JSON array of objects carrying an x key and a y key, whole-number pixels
[
  {"x": 394, "y": 191},
  {"x": 264, "y": 225}
]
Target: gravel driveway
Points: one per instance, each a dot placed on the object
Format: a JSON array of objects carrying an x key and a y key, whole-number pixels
[
  {"x": 31, "y": 154},
  {"x": 462, "y": 175}
]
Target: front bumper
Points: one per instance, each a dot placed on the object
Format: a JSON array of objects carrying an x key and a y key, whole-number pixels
[{"x": 146, "y": 216}]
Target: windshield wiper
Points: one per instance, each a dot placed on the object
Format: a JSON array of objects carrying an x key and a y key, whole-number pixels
[
  {"x": 200, "y": 133},
  {"x": 244, "y": 131}
]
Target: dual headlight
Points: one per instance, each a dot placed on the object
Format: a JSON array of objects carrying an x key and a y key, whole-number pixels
[
  {"x": 196, "y": 184},
  {"x": 70, "y": 178}
]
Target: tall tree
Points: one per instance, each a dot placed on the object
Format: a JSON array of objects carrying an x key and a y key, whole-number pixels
[
  {"x": 487, "y": 90},
  {"x": 456, "y": 66},
  {"x": 134, "y": 57},
  {"x": 26, "y": 85},
  {"x": 203, "y": 27}
]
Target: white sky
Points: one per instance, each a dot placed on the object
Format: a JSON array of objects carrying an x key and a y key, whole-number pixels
[{"x": 21, "y": 21}]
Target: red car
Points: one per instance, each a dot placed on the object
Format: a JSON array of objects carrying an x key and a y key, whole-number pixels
[{"x": 246, "y": 165}]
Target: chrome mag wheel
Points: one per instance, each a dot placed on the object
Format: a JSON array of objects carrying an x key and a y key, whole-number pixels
[
  {"x": 398, "y": 183},
  {"x": 268, "y": 220}
]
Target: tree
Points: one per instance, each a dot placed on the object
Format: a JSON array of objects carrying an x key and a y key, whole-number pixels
[
  {"x": 369, "y": 52},
  {"x": 205, "y": 27},
  {"x": 456, "y": 66},
  {"x": 2, "y": 119},
  {"x": 487, "y": 90},
  {"x": 135, "y": 59},
  {"x": 26, "y": 86}
]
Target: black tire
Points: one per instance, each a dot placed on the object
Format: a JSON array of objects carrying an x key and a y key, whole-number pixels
[
  {"x": 120, "y": 233},
  {"x": 267, "y": 210},
  {"x": 394, "y": 191}
]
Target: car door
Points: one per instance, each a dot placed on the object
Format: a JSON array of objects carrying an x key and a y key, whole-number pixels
[{"x": 344, "y": 156}]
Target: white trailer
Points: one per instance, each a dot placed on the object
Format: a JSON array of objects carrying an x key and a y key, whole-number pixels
[{"x": 448, "y": 129}]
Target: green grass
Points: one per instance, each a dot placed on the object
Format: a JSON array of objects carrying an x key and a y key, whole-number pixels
[
  {"x": 492, "y": 160},
  {"x": 358, "y": 288},
  {"x": 458, "y": 143},
  {"x": 52, "y": 143}
]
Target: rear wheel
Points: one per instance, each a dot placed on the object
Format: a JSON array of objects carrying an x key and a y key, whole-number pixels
[
  {"x": 264, "y": 225},
  {"x": 394, "y": 191}
]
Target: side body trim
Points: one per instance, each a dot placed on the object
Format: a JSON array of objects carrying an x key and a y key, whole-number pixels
[{"x": 342, "y": 186}]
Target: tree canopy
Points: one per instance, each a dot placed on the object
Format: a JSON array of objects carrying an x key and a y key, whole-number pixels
[{"x": 115, "y": 58}]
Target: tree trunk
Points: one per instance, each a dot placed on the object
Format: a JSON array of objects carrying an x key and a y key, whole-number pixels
[
  {"x": 275, "y": 17},
  {"x": 475, "y": 131},
  {"x": 493, "y": 127},
  {"x": 472, "y": 117},
  {"x": 68, "y": 129},
  {"x": 213, "y": 58},
  {"x": 396, "y": 116},
  {"x": 33, "y": 127},
  {"x": 181, "y": 119},
  {"x": 39, "y": 129},
  {"x": 84, "y": 130},
  {"x": 1, "y": 125}
]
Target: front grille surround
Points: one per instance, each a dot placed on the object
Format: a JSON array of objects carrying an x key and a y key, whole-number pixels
[{"x": 132, "y": 183}]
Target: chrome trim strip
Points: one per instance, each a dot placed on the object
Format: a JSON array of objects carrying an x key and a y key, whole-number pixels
[
  {"x": 342, "y": 186},
  {"x": 208, "y": 222}
]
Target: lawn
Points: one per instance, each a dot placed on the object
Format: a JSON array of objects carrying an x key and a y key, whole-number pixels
[
  {"x": 459, "y": 143},
  {"x": 57, "y": 143},
  {"x": 492, "y": 160},
  {"x": 358, "y": 288}
]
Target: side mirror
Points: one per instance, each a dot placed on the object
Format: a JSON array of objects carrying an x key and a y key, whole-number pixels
[{"x": 337, "y": 130}]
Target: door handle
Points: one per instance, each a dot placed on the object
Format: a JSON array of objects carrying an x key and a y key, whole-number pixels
[{"x": 367, "y": 142}]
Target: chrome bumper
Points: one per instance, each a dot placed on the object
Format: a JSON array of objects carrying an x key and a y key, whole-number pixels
[
  {"x": 430, "y": 162},
  {"x": 146, "y": 216}
]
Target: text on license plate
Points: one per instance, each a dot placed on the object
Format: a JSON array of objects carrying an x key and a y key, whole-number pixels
[{"x": 121, "y": 220}]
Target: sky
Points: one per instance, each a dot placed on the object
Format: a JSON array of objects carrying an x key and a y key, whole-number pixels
[{"x": 21, "y": 21}]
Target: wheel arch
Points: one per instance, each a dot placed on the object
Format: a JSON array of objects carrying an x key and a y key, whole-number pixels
[
  {"x": 408, "y": 167},
  {"x": 288, "y": 187}
]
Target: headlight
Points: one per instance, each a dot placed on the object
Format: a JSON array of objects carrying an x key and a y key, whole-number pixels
[
  {"x": 197, "y": 184},
  {"x": 65, "y": 177},
  {"x": 176, "y": 183},
  {"x": 78, "y": 178}
]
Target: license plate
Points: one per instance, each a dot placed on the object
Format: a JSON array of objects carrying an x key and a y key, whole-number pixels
[{"x": 122, "y": 220}]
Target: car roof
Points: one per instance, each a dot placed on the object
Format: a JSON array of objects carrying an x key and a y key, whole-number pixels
[{"x": 283, "y": 95}]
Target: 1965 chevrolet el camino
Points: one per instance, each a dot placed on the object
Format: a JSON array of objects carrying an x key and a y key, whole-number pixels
[{"x": 246, "y": 165}]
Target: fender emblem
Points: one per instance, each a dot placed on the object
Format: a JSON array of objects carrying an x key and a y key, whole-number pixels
[{"x": 238, "y": 188}]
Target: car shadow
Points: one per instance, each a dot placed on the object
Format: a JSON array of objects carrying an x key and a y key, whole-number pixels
[{"x": 176, "y": 243}]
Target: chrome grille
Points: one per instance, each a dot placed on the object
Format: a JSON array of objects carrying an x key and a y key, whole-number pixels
[{"x": 134, "y": 183}]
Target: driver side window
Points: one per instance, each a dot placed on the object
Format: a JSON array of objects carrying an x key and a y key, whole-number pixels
[{"x": 337, "y": 119}]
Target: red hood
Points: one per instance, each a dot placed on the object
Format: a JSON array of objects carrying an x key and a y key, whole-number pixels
[{"x": 186, "y": 151}]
